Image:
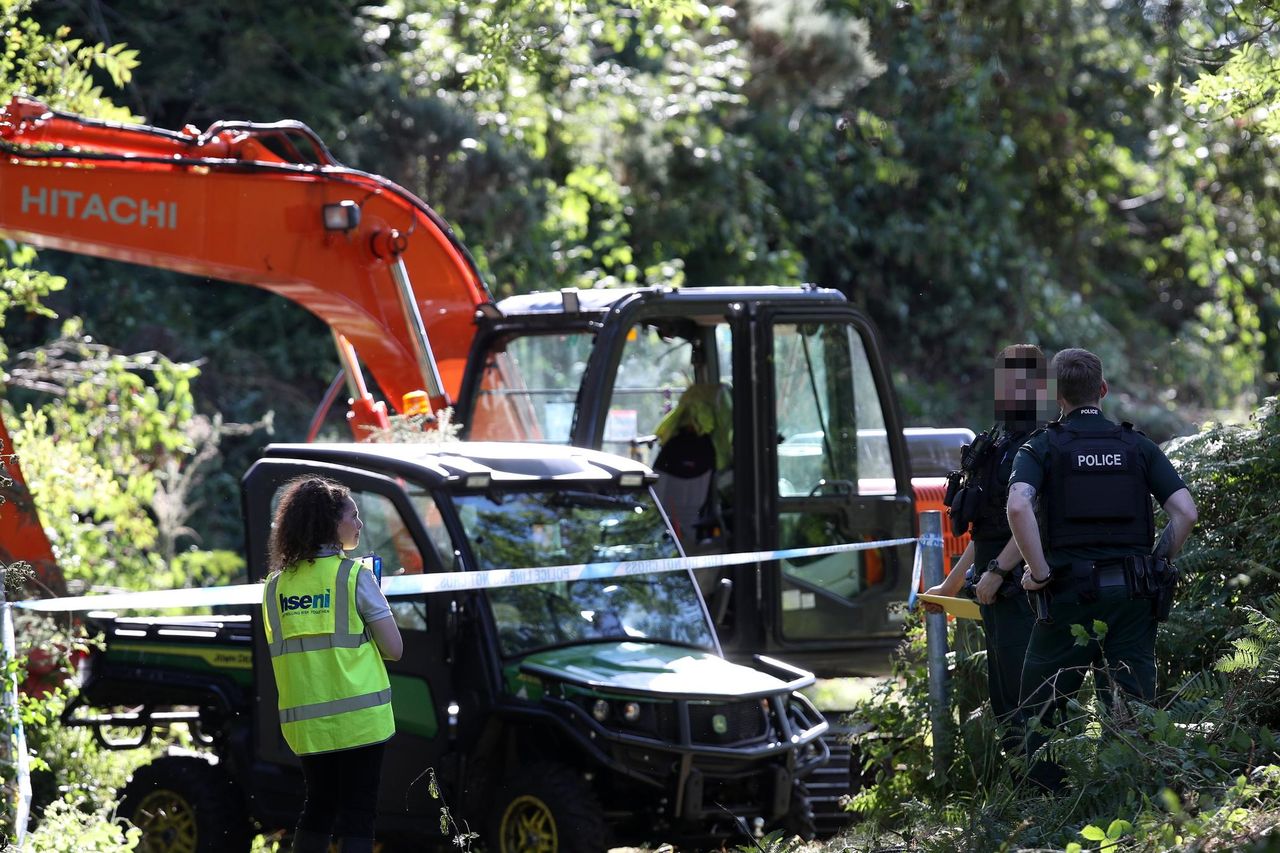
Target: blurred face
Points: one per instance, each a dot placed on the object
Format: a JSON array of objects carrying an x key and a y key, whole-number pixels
[
  {"x": 349, "y": 525},
  {"x": 1021, "y": 394}
]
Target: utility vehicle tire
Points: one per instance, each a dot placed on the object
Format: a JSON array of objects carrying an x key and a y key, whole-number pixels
[
  {"x": 545, "y": 808},
  {"x": 185, "y": 805}
]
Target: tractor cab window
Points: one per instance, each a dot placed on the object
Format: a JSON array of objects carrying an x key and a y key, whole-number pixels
[
  {"x": 529, "y": 386},
  {"x": 672, "y": 407},
  {"x": 832, "y": 451},
  {"x": 660, "y": 360}
]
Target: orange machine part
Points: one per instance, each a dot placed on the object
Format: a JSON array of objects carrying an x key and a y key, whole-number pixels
[
  {"x": 224, "y": 205},
  {"x": 21, "y": 536},
  {"x": 242, "y": 203},
  {"x": 929, "y": 497}
]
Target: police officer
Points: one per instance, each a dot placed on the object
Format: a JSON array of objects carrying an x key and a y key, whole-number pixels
[
  {"x": 328, "y": 630},
  {"x": 1092, "y": 549},
  {"x": 991, "y": 566}
]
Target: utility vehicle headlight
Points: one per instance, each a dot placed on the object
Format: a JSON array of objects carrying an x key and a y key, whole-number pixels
[
  {"x": 600, "y": 710},
  {"x": 631, "y": 712}
]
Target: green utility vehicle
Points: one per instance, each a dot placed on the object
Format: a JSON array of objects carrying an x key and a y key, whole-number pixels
[{"x": 564, "y": 715}]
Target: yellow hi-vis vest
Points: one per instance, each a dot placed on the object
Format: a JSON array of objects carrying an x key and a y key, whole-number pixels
[{"x": 333, "y": 686}]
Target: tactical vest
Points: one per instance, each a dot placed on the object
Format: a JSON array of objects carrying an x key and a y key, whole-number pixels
[
  {"x": 981, "y": 469},
  {"x": 1095, "y": 491},
  {"x": 333, "y": 685}
]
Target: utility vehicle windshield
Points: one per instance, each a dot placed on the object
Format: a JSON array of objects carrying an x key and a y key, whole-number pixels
[{"x": 512, "y": 530}]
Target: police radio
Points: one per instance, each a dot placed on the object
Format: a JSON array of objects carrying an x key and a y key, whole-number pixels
[{"x": 375, "y": 563}]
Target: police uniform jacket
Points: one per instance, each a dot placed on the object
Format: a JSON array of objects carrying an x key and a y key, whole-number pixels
[{"x": 1130, "y": 450}]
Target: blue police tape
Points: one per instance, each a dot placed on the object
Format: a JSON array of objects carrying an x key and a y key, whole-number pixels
[{"x": 403, "y": 585}]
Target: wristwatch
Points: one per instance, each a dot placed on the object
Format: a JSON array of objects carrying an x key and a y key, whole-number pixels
[{"x": 994, "y": 566}]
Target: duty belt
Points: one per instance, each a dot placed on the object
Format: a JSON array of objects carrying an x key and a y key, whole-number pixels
[
  {"x": 1087, "y": 577},
  {"x": 1110, "y": 573}
]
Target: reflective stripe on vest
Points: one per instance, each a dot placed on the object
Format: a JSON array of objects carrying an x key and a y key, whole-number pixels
[
  {"x": 332, "y": 683},
  {"x": 318, "y": 642},
  {"x": 337, "y": 706}
]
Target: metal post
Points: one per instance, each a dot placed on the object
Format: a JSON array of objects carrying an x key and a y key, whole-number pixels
[
  {"x": 935, "y": 625},
  {"x": 417, "y": 332},
  {"x": 356, "y": 388},
  {"x": 14, "y": 749}
]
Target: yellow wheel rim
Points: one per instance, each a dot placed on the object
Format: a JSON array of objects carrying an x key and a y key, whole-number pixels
[
  {"x": 168, "y": 823},
  {"x": 528, "y": 827}
]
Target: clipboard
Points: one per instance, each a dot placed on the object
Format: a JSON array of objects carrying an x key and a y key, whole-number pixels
[{"x": 961, "y": 608}]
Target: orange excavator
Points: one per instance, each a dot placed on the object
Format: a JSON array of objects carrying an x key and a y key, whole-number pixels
[
  {"x": 806, "y": 443},
  {"x": 265, "y": 205}
]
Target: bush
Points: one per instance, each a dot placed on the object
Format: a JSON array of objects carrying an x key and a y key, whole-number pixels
[
  {"x": 74, "y": 781},
  {"x": 74, "y": 825},
  {"x": 1233, "y": 472}
]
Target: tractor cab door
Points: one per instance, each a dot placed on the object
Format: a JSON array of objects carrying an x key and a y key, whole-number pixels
[
  {"x": 833, "y": 471},
  {"x": 402, "y": 525}
]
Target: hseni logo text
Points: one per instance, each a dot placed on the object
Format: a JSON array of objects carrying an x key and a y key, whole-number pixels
[
  {"x": 315, "y": 601},
  {"x": 120, "y": 209}
]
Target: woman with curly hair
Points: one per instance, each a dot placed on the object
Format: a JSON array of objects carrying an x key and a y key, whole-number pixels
[{"x": 328, "y": 629}]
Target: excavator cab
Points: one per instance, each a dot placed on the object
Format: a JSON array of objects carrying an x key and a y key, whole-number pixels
[{"x": 810, "y": 454}]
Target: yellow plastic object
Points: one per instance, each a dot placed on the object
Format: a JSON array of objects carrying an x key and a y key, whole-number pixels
[{"x": 961, "y": 608}]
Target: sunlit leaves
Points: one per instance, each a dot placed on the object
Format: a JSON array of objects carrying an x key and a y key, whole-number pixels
[
  {"x": 57, "y": 68},
  {"x": 96, "y": 456}
]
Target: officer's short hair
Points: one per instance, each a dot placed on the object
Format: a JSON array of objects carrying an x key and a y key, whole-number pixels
[
  {"x": 1027, "y": 356},
  {"x": 1079, "y": 374}
]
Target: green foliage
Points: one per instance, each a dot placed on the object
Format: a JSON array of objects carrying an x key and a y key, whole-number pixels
[
  {"x": 73, "y": 825},
  {"x": 74, "y": 781},
  {"x": 99, "y": 455},
  {"x": 1233, "y": 63},
  {"x": 419, "y": 429},
  {"x": 57, "y": 68},
  {"x": 1228, "y": 564},
  {"x": 22, "y": 288},
  {"x": 460, "y": 835},
  {"x": 551, "y": 175}
]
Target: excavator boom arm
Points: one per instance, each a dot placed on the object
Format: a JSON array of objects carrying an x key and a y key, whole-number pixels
[{"x": 262, "y": 205}]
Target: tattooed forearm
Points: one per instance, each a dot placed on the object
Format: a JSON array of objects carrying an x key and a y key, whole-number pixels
[{"x": 1026, "y": 490}]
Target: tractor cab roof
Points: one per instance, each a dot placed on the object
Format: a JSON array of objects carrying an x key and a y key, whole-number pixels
[{"x": 603, "y": 300}]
